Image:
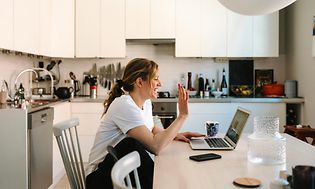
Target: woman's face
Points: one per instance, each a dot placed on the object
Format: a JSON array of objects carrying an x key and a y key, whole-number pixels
[{"x": 153, "y": 85}]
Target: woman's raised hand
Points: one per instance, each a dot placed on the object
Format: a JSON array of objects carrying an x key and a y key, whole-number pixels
[{"x": 182, "y": 101}]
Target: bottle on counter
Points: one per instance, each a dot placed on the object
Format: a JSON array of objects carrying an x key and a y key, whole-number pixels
[
  {"x": 224, "y": 87},
  {"x": 189, "y": 83},
  {"x": 207, "y": 88},
  {"x": 19, "y": 96},
  {"x": 213, "y": 87},
  {"x": 201, "y": 83}
]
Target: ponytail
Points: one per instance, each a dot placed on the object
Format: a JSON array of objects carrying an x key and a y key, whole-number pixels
[
  {"x": 138, "y": 67},
  {"x": 114, "y": 93}
]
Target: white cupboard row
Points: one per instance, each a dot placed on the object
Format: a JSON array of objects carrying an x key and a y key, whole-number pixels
[
  {"x": 42, "y": 27},
  {"x": 99, "y": 28},
  {"x": 207, "y": 29}
]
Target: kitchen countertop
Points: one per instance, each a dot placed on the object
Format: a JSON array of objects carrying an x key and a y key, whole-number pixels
[
  {"x": 207, "y": 100},
  {"x": 36, "y": 106},
  {"x": 100, "y": 99}
]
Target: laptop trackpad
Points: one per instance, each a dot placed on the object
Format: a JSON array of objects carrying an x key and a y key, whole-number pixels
[{"x": 199, "y": 144}]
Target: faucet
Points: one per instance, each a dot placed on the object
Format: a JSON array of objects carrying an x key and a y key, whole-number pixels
[{"x": 36, "y": 74}]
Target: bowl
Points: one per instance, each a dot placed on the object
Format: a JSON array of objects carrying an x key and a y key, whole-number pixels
[
  {"x": 216, "y": 94},
  {"x": 242, "y": 90},
  {"x": 192, "y": 93}
]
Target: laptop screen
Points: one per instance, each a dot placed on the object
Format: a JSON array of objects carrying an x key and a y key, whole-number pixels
[{"x": 237, "y": 125}]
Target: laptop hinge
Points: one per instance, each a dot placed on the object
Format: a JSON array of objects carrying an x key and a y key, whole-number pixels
[{"x": 230, "y": 141}]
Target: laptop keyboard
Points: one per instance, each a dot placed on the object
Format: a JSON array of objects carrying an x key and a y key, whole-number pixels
[{"x": 216, "y": 142}]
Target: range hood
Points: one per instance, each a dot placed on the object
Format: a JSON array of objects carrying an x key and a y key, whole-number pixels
[{"x": 149, "y": 41}]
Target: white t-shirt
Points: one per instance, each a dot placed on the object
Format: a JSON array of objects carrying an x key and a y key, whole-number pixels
[{"x": 122, "y": 115}]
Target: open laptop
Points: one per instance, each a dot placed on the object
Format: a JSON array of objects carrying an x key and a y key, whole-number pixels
[{"x": 231, "y": 137}]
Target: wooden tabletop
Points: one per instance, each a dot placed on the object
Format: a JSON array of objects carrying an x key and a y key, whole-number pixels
[{"x": 173, "y": 168}]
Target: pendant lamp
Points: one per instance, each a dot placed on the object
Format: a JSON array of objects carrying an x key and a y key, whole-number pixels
[{"x": 255, "y": 7}]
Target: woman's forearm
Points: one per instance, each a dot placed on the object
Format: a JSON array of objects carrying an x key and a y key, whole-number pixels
[{"x": 161, "y": 139}]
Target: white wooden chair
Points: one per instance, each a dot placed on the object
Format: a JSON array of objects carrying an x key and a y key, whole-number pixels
[
  {"x": 122, "y": 168},
  {"x": 67, "y": 138}
]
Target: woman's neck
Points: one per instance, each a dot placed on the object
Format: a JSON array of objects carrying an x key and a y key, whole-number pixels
[{"x": 137, "y": 99}]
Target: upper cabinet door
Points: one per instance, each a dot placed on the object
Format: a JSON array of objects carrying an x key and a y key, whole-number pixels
[
  {"x": 87, "y": 28},
  {"x": 62, "y": 44},
  {"x": 213, "y": 29},
  {"x": 162, "y": 19},
  {"x": 266, "y": 35},
  {"x": 6, "y": 24},
  {"x": 188, "y": 25},
  {"x": 26, "y": 26},
  {"x": 137, "y": 19},
  {"x": 45, "y": 13},
  {"x": 113, "y": 43},
  {"x": 239, "y": 35}
]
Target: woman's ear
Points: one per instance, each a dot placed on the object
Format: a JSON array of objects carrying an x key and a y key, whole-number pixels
[{"x": 139, "y": 82}]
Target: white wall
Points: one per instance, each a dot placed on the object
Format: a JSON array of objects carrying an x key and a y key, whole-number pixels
[
  {"x": 171, "y": 68},
  {"x": 300, "y": 65},
  {"x": 11, "y": 65}
]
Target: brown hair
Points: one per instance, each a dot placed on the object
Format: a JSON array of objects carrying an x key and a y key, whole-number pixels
[{"x": 138, "y": 67}]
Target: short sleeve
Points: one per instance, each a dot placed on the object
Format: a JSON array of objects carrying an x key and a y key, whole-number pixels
[{"x": 126, "y": 115}]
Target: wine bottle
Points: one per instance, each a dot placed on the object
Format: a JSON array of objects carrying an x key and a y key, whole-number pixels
[
  {"x": 189, "y": 84},
  {"x": 224, "y": 87},
  {"x": 201, "y": 85},
  {"x": 207, "y": 88}
]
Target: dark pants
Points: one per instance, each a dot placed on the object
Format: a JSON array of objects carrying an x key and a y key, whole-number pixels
[{"x": 101, "y": 178}]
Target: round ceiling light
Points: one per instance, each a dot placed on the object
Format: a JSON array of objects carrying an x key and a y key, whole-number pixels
[{"x": 255, "y": 7}]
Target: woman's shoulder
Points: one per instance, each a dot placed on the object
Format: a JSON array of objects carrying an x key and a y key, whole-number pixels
[{"x": 124, "y": 100}]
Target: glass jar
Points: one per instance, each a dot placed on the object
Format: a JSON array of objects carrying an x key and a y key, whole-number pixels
[{"x": 266, "y": 145}]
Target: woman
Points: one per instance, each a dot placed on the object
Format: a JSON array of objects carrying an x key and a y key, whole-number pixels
[{"x": 127, "y": 124}]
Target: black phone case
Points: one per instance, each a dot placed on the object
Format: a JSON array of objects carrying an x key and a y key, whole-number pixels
[{"x": 204, "y": 157}]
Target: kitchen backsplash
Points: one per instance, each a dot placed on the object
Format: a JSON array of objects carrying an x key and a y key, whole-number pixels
[{"x": 171, "y": 68}]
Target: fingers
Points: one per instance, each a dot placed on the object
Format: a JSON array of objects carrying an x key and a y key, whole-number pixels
[{"x": 182, "y": 93}]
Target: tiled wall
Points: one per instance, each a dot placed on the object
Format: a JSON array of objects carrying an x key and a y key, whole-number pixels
[{"x": 171, "y": 68}]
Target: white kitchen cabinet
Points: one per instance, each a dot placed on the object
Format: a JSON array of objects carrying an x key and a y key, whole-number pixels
[
  {"x": 112, "y": 34},
  {"x": 62, "y": 112},
  {"x": 239, "y": 35},
  {"x": 137, "y": 19},
  {"x": 45, "y": 16},
  {"x": 266, "y": 35},
  {"x": 89, "y": 114},
  {"x": 150, "y": 19},
  {"x": 188, "y": 28},
  {"x": 224, "y": 112},
  {"x": 213, "y": 27},
  {"x": 100, "y": 28},
  {"x": 6, "y": 24},
  {"x": 87, "y": 28},
  {"x": 62, "y": 28},
  {"x": 26, "y": 26},
  {"x": 162, "y": 23}
]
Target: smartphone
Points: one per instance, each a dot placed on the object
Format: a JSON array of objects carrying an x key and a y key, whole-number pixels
[{"x": 204, "y": 157}]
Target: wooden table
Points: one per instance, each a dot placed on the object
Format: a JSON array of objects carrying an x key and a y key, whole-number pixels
[
  {"x": 173, "y": 169},
  {"x": 301, "y": 133}
]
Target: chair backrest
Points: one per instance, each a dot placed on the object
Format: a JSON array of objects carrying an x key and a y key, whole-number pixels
[
  {"x": 111, "y": 150},
  {"x": 122, "y": 168},
  {"x": 67, "y": 138}
]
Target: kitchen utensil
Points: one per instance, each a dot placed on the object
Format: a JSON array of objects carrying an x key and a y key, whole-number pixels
[
  {"x": 273, "y": 90},
  {"x": 109, "y": 69},
  {"x": 72, "y": 76},
  {"x": 64, "y": 92},
  {"x": 118, "y": 74},
  {"x": 51, "y": 65},
  {"x": 164, "y": 94}
]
